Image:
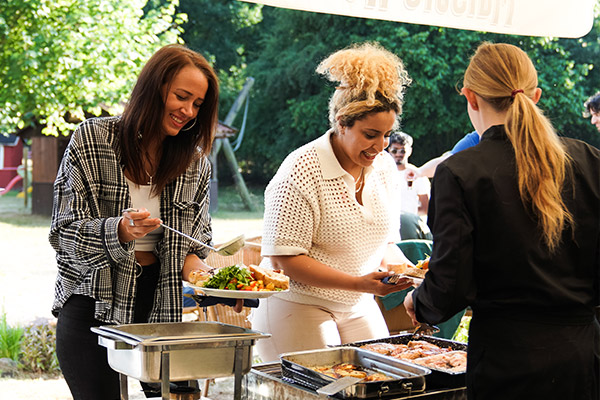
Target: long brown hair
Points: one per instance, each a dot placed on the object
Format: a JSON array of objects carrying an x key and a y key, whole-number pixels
[
  {"x": 504, "y": 76},
  {"x": 141, "y": 122}
]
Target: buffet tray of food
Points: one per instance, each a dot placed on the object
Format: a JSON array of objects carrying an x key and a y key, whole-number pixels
[
  {"x": 447, "y": 359},
  {"x": 330, "y": 372}
]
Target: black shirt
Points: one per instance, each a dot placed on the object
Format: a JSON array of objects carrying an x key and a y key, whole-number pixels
[{"x": 488, "y": 252}]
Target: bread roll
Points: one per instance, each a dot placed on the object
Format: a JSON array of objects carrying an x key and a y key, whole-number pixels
[
  {"x": 278, "y": 279},
  {"x": 198, "y": 277},
  {"x": 398, "y": 268},
  {"x": 416, "y": 272},
  {"x": 259, "y": 273}
]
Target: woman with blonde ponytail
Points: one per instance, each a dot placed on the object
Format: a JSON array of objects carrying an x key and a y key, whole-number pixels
[{"x": 516, "y": 228}]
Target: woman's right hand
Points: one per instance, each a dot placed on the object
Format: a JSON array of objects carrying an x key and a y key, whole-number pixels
[
  {"x": 307, "y": 270},
  {"x": 371, "y": 283},
  {"x": 409, "y": 306},
  {"x": 136, "y": 224}
]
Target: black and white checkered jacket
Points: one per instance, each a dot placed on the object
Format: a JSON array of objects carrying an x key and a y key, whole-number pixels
[{"x": 89, "y": 193}]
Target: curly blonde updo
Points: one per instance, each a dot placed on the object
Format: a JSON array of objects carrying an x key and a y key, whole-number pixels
[{"x": 372, "y": 79}]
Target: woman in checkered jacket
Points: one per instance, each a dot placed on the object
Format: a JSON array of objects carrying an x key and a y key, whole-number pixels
[{"x": 118, "y": 267}]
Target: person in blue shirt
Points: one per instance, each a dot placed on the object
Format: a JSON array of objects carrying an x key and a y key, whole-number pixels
[
  {"x": 428, "y": 169},
  {"x": 469, "y": 140}
]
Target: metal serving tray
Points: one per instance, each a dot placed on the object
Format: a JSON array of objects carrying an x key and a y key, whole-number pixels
[
  {"x": 196, "y": 349},
  {"x": 265, "y": 382},
  {"x": 439, "y": 378},
  {"x": 408, "y": 378}
]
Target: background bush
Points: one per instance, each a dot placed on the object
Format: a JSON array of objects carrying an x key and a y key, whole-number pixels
[
  {"x": 32, "y": 347},
  {"x": 38, "y": 349}
]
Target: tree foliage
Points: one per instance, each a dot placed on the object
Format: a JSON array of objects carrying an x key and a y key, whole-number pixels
[
  {"x": 222, "y": 30},
  {"x": 289, "y": 102},
  {"x": 61, "y": 59}
]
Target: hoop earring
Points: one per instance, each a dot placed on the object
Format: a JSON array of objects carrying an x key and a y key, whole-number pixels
[{"x": 191, "y": 126}]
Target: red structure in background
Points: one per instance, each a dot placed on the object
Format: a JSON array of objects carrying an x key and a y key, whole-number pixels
[{"x": 11, "y": 157}]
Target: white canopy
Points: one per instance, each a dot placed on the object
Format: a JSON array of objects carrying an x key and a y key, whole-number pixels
[{"x": 557, "y": 18}]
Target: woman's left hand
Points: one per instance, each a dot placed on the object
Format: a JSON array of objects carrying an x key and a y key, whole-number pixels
[
  {"x": 238, "y": 306},
  {"x": 193, "y": 262}
]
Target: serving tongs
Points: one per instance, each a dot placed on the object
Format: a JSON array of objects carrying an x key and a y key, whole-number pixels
[
  {"x": 394, "y": 279},
  {"x": 424, "y": 330}
]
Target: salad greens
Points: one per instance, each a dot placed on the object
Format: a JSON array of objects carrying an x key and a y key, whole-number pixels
[{"x": 229, "y": 278}]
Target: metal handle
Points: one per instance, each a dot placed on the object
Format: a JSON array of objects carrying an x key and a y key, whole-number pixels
[
  {"x": 188, "y": 237},
  {"x": 174, "y": 230},
  {"x": 122, "y": 340},
  {"x": 113, "y": 344},
  {"x": 338, "y": 385},
  {"x": 221, "y": 337}
]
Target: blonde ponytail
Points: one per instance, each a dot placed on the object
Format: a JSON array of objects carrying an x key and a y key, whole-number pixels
[{"x": 504, "y": 76}]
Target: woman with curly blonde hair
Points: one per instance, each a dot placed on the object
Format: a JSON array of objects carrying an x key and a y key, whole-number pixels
[
  {"x": 331, "y": 213},
  {"x": 516, "y": 228}
]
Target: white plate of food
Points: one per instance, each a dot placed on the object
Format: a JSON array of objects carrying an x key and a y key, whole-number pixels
[
  {"x": 237, "y": 282},
  {"x": 238, "y": 294}
]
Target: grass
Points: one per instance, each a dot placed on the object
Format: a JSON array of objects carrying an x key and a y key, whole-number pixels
[
  {"x": 230, "y": 205},
  {"x": 28, "y": 265},
  {"x": 28, "y": 272},
  {"x": 10, "y": 339},
  {"x": 14, "y": 212},
  {"x": 232, "y": 219},
  {"x": 231, "y": 216}
]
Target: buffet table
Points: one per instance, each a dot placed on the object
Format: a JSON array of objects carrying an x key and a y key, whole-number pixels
[{"x": 265, "y": 382}]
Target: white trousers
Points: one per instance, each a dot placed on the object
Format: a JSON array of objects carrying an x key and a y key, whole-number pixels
[{"x": 297, "y": 326}]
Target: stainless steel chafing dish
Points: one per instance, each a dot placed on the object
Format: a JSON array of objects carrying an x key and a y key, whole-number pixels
[
  {"x": 406, "y": 379},
  {"x": 161, "y": 352}
]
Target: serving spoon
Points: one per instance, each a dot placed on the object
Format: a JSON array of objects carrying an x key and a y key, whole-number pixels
[{"x": 226, "y": 249}]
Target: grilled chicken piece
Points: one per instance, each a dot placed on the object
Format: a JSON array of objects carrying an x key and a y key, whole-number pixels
[{"x": 381, "y": 348}]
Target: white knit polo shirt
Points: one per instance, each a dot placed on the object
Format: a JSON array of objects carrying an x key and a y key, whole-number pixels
[{"x": 311, "y": 209}]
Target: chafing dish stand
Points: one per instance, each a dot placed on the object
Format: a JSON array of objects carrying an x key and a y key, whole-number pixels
[
  {"x": 165, "y": 376},
  {"x": 178, "y": 351}
]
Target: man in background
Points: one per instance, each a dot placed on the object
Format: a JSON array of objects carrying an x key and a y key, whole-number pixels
[
  {"x": 415, "y": 190},
  {"x": 592, "y": 110}
]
